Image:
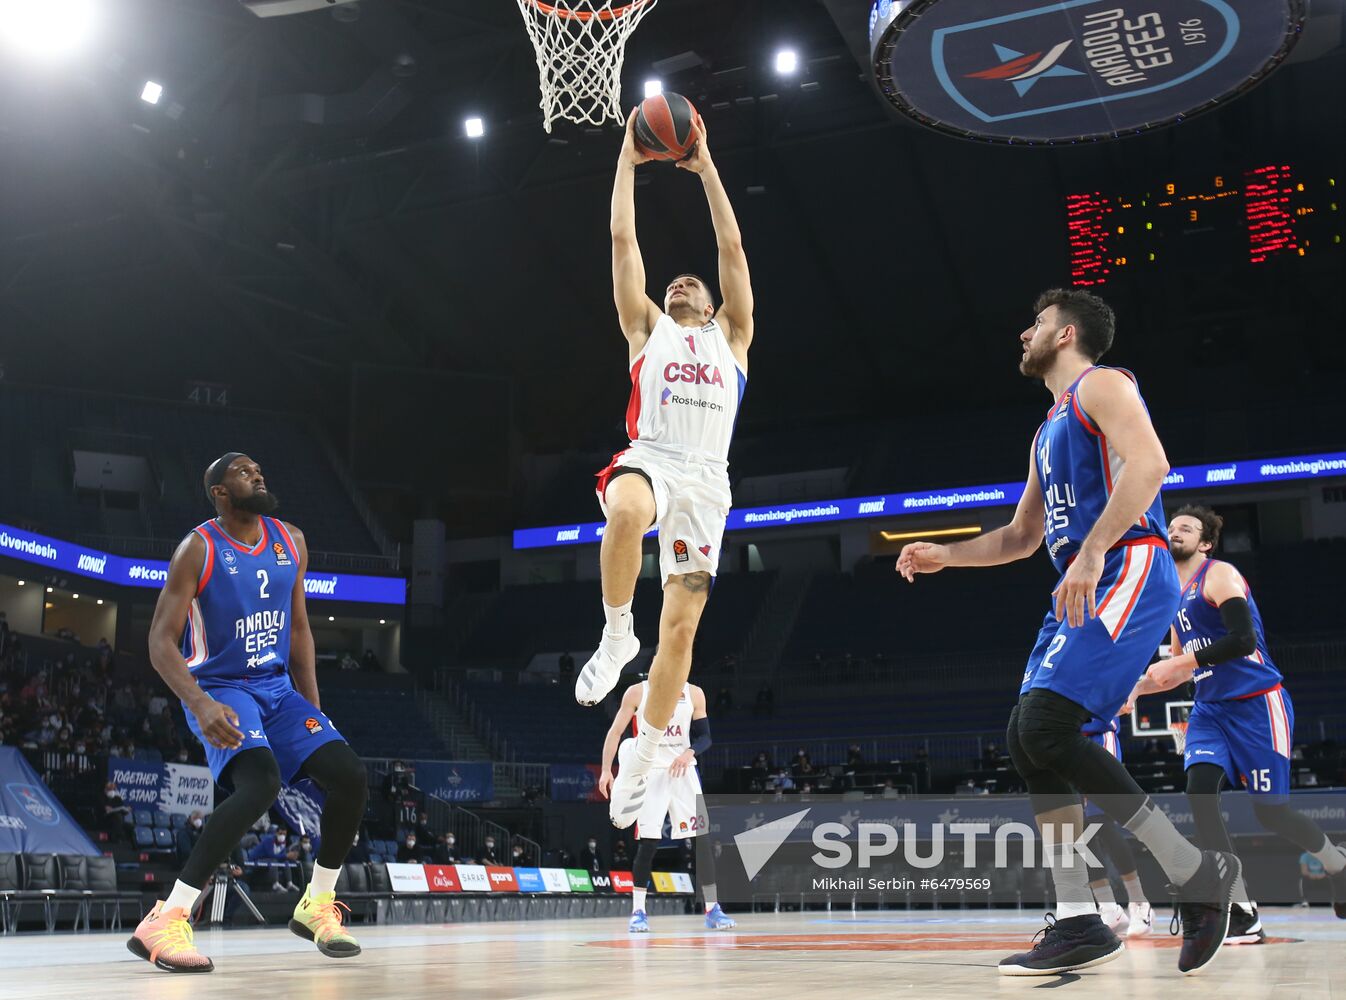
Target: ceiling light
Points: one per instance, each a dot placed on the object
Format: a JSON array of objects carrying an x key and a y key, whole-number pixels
[
  {"x": 897, "y": 536},
  {"x": 475, "y": 128},
  {"x": 787, "y": 61},
  {"x": 653, "y": 88},
  {"x": 152, "y": 92},
  {"x": 383, "y": 621},
  {"x": 46, "y": 27},
  {"x": 330, "y": 618}
]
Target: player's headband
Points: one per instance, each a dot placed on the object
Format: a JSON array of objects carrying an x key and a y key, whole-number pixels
[{"x": 216, "y": 470}]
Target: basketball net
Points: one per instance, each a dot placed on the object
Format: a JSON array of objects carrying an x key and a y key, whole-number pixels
[
  {"x": 1179, "y": 736},
  {"x": 580, "y": 46}
]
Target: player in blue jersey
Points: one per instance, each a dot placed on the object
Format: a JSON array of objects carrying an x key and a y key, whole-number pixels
[
  {"x": 1095, "y": 469},
  {"x": 1242, "y": 724},
  {"x": 231, "y": 638},
  {"x": 1137, "y": 920}
]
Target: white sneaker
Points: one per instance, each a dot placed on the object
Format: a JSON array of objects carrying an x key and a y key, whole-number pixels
[
  {"x": 1114, "y": 917},
  {"x": 627, "y": 796},
  {"x": 1141, "y": 917},
  {"x": 600, "y": 674}
]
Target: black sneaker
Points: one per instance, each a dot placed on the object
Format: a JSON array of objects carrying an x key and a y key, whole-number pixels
[
  {"x": 1202, "y": 907},
  {"x": 1338, "y": 884},
  {"x": 1066, "y": 945},
  {"x": 1245, "y": 926}
]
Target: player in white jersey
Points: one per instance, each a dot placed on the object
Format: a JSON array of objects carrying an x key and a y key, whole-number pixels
[
  {"x": 689, "y": 364},
  {"x": 673, "y": 792}
]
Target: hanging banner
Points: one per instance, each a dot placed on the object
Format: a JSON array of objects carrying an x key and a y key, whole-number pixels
[
  {"x": 180, "y": 789},
  {"x": 455, "y": 781}
]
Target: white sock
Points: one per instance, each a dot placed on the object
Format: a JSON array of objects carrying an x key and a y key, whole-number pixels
[
  {"x": 647, "y": 741},
  {"x": 324, "y": 880},
  {"x": 1333, "y": 858},
  {"x": 1134, "y": 889},
  {"x": 183, "y": 897},
  {"x": 618, "y": 619},
  {"x": 1104, "y": 894},
  {"x": 638, "y": 899}
]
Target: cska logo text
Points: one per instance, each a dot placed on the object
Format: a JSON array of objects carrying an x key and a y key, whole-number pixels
[{"x": 695, "y": 374}]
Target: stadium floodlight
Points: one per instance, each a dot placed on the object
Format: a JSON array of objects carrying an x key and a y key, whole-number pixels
[
  {"x": 279, "y": 8},
  {"x": 653, "y": 88},
  {"x": 475, "y": 128},
  {"x": 787, "y": 61},
  {"x": 47, "y": 28},
  {"x": 152, "y": 92}
]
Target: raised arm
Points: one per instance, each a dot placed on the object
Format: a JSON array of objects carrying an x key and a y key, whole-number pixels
[
  {"x": 1114, "y": 404},
  {"x": 303, "y": 658},
  {"x": 219, "y": 722},
  {"x": 735, "y": 313},
  {"x": 1017, "y": 540},
  {"x": 636, "y": 312},
  {"x": 630, "y": 702}
]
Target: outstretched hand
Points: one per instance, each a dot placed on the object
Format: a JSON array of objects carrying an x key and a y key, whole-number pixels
[
  {"x": 921, "y": 557},
  {"x": 631, "y": 153},
  {"x": 698, "y": 160}
]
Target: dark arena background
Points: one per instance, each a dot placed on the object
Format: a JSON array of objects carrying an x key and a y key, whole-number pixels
[{"x": 335, "y": 236}]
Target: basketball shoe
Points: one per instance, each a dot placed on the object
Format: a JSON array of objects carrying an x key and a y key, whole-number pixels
[
  {"x": 638, "y": 924},
  {"x": 164, "y": 938},
  {"x": 318, "y": 919},
  {"x": 1245, "y": 927},
  {"x": 1073, "y": 943},
  {"x": 1115, "y": 916},
  {"x": 627, "y": 796},
  {"x": 718, "y": 920},
  {"x": 600, "y": 674},
  {"x": 1142, "y": 920},
  {"x": 1201, "y": 909}
]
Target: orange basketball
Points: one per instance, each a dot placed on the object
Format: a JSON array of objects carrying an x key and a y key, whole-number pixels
[{"x": 664, "y": 127}]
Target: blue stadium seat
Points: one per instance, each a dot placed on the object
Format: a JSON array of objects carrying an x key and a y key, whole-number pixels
[
  {"x": 163, "y": 837},
  {"x": 179, "y": 821},
  {"x": 143, "y": 817},
  {"x": 144, "y": 836},
  {"x": 163, "y": 820}
]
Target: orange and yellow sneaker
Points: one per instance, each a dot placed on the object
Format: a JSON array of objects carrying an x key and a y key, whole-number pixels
[
  {"x": 164, "y": 938},
  {"x": 318, "y": 919}
]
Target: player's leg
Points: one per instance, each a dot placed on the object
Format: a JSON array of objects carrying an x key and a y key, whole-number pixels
[
  {"x": 629, "y": 501},
  {"x": 653, "y": 812},
  {"x": 684, "y": 599},
  {"x": 688, "y": 819},
  {"x": 307, "y": 743},
  {"x": 1093, "y": 669},
  {"x": 1077, "y": 939},
  {"x": 1261, "y": 731},
  {"x": 164, "y": 937},
  {"x": 1140, "y": 915},
  {"x": 1204, "y": 784}
]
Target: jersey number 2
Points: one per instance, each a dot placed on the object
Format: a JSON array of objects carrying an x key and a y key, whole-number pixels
[
  {"x": 1052, "y": 650},
  {"x": 266, "y": 582}
]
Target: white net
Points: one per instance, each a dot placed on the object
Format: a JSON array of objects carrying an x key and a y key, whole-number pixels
[
  {"x": 1179, "y": 731},
  {"x": 580, "y": 45}
]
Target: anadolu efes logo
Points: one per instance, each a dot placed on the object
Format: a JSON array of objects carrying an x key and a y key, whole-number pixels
[
  {"x": 1029, "y": 71},
  {"x": 33, "y": 801}
]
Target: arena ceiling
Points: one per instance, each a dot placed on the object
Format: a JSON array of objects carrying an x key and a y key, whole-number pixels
[{"x": 303, "y": 201}]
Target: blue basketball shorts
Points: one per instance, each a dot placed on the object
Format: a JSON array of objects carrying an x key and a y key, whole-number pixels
[{"x": 1250, "y": 738}]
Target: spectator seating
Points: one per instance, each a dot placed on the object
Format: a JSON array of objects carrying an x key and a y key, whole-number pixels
[
  {"x": 51, "y": 880},
  {"x": 380, "y": 716}
]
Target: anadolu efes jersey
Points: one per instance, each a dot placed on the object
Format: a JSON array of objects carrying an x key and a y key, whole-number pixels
[
  {"x": 686, "y": 387},
  {"x": 1198, "y": 624},
  {"x": 238, "y": 625}
]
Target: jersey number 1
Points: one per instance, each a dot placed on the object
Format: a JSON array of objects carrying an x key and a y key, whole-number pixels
[{"x": 266, "y": 582}]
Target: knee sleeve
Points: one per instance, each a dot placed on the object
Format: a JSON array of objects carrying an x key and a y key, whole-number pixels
[
  {"x": 644, "y": 863},
  {"x": 1293, "y": 825},
  {"x": 254, "y": 777},
  {"x": 1204, "y": 782},
  {"x": 1048, "y": 790}
]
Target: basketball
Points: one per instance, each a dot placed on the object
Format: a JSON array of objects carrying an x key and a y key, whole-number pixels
[{"x": 664, "y": 126}]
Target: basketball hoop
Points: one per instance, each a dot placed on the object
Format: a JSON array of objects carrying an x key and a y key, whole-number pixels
[
  {"x": 580, "y": 46},
  {"x": 1179, "y": 733}
]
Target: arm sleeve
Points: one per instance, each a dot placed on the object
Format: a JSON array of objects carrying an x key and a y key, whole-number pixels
[
  {"x": 700, "y": 736},
  {"x": 1237, "y": 618}
]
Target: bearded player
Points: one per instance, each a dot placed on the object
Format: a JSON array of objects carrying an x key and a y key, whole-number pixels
[
  {"x": 673, "y": 793},
  {"x": 1095, "y": 469},
  {"x": 688, "y": 365},
  {"x": 231, "y": 638},
  {"x": 1242, "y": 723}
]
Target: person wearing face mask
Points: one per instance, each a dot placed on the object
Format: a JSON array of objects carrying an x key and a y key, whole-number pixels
[
  {"x": 115, "y": 811},
  {"x": 590, "y": 858},
  {"x": 516, "y": 856},
  {"x": 275, "y": 847},
  {"x": 189, "y": 835},
  {"x": 488, "y": 855},
  {"x": 446, "y": 850},
  {"x": 407, "y": 851}
]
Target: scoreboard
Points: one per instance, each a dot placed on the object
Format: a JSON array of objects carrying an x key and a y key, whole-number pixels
[{"x": 1242, "y": 218}]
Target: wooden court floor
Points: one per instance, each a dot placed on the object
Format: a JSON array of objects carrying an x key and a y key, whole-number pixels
[{"x": 769, "y": 955}]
